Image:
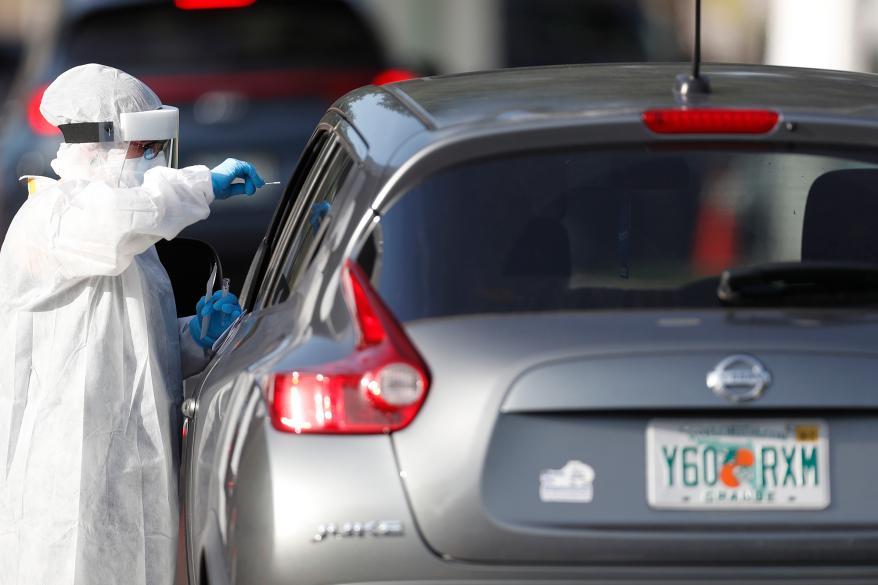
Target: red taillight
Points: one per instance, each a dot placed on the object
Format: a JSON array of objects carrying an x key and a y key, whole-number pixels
[
  {"x": 35, "y": 118},
  {"x": 208, "y": 4},
  {"x": 392, "y": 76},
  {"x": 379, "y": 388},
  {"x": 710, "y": 121},
  {"x": 371, "y": 328}
]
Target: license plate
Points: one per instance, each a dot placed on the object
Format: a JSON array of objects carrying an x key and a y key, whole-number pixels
[{"x": 737, "y": 464}]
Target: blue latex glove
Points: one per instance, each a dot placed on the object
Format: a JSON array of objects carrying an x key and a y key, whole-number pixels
[
  {"x": 318, "y": 212},
  {"x": 230, "y": 169},
  {"x": 223, "y": 310}
]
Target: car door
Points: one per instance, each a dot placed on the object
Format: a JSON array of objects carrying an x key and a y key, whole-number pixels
[{"x": 220, "y": 403}]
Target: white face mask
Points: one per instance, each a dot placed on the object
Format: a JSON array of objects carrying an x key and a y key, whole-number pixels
[
  {"x": 103, "y": 162},
  {"x": 134, "y": 168},
  {"x": 90, "y": 161}
]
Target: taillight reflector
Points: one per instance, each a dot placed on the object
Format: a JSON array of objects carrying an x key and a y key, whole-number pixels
[
  {"x": 371, "y": 329},
  {"x": 392, "y": 76},
  {"x": 208, "y": 4},
  {"x": 35, "y": 118},
  {"x": 379, "y": 388},
  {"x": 710, "y": 121}
]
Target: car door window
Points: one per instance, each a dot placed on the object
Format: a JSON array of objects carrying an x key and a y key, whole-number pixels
[
  {"x": 271, "y": 253},
  {"x": 313, "y": 220}
]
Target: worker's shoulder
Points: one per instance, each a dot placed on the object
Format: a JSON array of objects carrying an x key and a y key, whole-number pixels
[{"x": 36, "y": 183}]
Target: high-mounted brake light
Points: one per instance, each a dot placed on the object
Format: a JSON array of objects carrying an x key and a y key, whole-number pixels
[
  {"x": 379, "y": 388},
  {"x": 392, "y": 76},
  {"x": 208, "y": 4},
  {"x": 710, "y": 121},
  {"x": 35, "y": 118}
]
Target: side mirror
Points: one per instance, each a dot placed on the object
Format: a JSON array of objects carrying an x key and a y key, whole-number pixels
[{"x": 188, "y": 263}]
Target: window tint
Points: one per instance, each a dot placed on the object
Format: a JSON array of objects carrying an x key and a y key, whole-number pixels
[
  {"x": 314, "y": 213},
  {"x": 630, "y": 228},
  {"x": 270, "y": 254}
]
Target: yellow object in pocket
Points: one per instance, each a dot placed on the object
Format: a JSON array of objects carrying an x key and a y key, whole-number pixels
[{"x": 34, "y": 183}]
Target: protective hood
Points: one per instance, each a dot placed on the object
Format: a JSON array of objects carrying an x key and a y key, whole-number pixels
[
  {"x": 101, "y": 110},
  {"x": 95, "y": 93}
]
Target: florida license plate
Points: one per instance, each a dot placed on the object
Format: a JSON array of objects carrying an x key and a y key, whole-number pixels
[{"x": 737, "y": 464}]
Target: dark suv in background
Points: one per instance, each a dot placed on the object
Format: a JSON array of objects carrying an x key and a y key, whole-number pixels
[
  {"x": 10, "y": 53},
  {"x": 250, "y": 81}
]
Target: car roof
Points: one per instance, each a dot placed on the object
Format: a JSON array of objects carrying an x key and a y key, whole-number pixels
[
  {"x": 472, "y": 103},
  {"x": 607, "y": 89}
]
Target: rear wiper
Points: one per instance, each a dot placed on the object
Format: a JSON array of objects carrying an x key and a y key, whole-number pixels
[{"x": 809, "y": 283}]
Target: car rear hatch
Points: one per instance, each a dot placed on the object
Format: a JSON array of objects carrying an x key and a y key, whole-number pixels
[
  {"x": 497, "y": 464},
  {"x": 641, "y": 355}
]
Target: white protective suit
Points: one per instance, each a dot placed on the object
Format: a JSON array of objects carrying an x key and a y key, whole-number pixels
[{"x": 90, "y": 357}]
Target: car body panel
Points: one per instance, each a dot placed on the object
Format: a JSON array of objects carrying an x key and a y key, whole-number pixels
[
  {"x": 222, "y": 421},
  {"x": 485, "y": 474}
]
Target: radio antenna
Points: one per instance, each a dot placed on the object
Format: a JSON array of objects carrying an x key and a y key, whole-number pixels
[
  {"x": 696, "y": 48},
  {"x": 696, "y": 83}
]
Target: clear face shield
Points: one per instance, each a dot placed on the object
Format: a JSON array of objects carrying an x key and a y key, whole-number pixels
[
  {"x": 121, "y": 156},
  {"x": 142, "y": 155}
]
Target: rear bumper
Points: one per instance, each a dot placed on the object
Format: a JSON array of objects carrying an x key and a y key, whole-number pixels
[
  {"x": 664, "y": 577},
  {"x": 480, "y": 575}
]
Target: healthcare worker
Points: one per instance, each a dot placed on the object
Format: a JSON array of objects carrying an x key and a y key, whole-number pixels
[{"x": 91, "y": 351}]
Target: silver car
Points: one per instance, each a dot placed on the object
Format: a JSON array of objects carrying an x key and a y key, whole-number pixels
[{"x": 556, "y": 325}]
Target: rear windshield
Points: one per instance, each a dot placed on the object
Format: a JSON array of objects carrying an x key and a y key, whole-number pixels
[
  {"x": 265, "y": 35},
  {"x": 628, "y": 228}
]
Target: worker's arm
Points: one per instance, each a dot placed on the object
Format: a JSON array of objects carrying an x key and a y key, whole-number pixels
[{"x": 97, "y": 230}]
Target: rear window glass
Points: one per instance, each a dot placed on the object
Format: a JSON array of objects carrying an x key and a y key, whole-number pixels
[
  {"x": 629, "y": 228},
  {"x": 264, "y": 35}
]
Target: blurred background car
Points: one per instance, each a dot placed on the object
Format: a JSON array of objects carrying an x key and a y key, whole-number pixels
[
  {"x": 10, "y": 53},
  {"x": 234, "y": 71},
  {"x": 559, "y": 31}
]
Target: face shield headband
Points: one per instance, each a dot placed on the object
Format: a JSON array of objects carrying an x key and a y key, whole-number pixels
[{"x": 145, "y": 139}]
